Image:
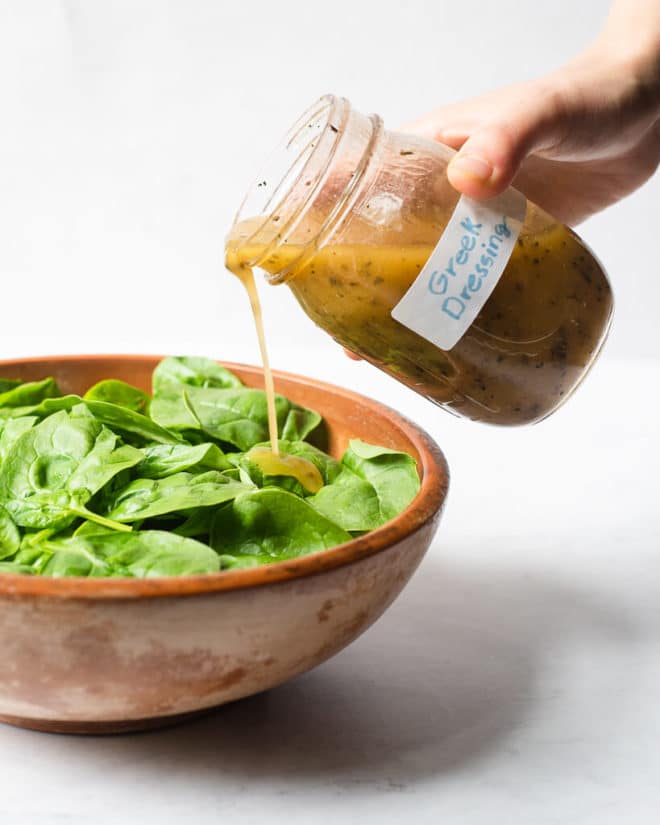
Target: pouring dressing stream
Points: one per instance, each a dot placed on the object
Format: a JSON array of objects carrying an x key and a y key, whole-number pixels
[{"x": 269, "y": 459}]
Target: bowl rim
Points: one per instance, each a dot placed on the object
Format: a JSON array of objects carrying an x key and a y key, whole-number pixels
[{"x": 425, "y": 507}]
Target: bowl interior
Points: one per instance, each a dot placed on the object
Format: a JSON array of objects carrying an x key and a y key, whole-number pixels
[{"x": 346, "y": 415}]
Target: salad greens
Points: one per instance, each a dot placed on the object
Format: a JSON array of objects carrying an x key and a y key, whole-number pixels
[{"x": 118, "y": 482}]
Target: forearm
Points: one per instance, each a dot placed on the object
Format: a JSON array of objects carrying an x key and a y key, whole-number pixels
[
  {"x": 609, "y": 95},
  {"x": 631, "y": 37},
  {"x": 633, "y": 25},
  {"x": 576, "y": 140}
]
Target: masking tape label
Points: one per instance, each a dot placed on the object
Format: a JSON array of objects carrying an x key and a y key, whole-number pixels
[{"x": 463, "y": 269}]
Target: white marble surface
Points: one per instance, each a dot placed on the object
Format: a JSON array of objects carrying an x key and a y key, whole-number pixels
[{"x": 515, "y": 680}]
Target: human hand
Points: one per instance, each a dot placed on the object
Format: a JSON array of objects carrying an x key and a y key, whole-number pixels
[{"x": 575, "y": 141}]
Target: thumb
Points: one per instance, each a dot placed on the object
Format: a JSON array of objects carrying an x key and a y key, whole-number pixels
[{"x": 491, "y": 157}]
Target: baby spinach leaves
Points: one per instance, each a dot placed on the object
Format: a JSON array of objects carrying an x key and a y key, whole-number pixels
[{"x": 117, "y": 483}]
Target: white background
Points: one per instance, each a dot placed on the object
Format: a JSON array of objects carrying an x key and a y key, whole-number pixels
[
  {"x": 131, "y": 129},
  {"x": 516, "y": 680}
]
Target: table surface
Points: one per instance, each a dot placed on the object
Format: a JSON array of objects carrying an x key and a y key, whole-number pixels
[{"x": 516, "y": 679}]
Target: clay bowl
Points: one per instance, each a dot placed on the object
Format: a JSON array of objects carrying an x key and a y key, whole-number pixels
[{"x": 110, "y": 655}]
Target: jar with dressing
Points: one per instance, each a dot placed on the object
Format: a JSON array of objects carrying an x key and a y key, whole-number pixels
[{"x": 493, "y": 310}]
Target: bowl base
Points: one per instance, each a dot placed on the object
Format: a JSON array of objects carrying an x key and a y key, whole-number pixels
[{"x": 109, "y": 727}]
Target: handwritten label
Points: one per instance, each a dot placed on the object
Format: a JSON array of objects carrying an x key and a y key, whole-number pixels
[{"x": 463, "y": 269}]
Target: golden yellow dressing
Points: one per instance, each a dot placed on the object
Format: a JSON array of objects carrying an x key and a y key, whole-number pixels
[
  {"x": 246, "y": 276},
  {"x": 527, "y": 349},
  {"x": 268, "y": 458},
  {"x": 287, "y": 465}
]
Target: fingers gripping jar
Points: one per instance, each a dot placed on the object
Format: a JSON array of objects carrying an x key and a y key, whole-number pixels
[{"x": 494, "y": 311}]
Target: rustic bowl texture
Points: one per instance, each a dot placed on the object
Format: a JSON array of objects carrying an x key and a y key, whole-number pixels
[{"x": 109, "y": 655}]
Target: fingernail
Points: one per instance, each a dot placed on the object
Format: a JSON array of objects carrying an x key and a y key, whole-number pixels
[{"x": 472, "y": 167}]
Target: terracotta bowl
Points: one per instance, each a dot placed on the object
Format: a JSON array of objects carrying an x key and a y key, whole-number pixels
[{"x": 109, "y": 655}]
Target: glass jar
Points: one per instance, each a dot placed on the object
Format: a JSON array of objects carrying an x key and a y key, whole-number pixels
[{"x": 348, "y": 214}]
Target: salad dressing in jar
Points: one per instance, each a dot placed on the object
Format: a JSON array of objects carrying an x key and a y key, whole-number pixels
[{"x": 362, "y": 225}]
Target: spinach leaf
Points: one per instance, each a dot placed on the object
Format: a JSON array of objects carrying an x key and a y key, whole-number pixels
[
  {"x": 13, "y": 428},
  {"x": 229, "y": 562},
  {"x": 236, "y": 416},
  {"x": 120, "y": 393},
  {"x": 172, "y": 413},
  {"x": 145, "y": 554},
  {"x": 41, "y": 409},
  {"x": 9, "y": 384},
  {"x": 53, "y": 469},
  {"x": 31, "y": 553},
  {"x": 131, "y": 425},
  {"x": 273, "y": 524},
  {"x": 188, "y": 371},
  {"x": 73, "y": 557},
  {"x": 30, "y": 542},
  {"x": 236, "y": 475},
  {"x": 10, "y": 538},
  {"x": 100, "y": 501},
  {"x": 197, "y": 523},
  {"x": 392, "y": 473},
  {"x": 147, "y": 498},
  {"x": 91, "y": 528},
  {"x": 14, "y": 567},
  {"x": 103, "y": 463},
  {"x": 374, "y": 485},
  {"x": 32, "y": 392},
  {"x": 165, "y": 459}
]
